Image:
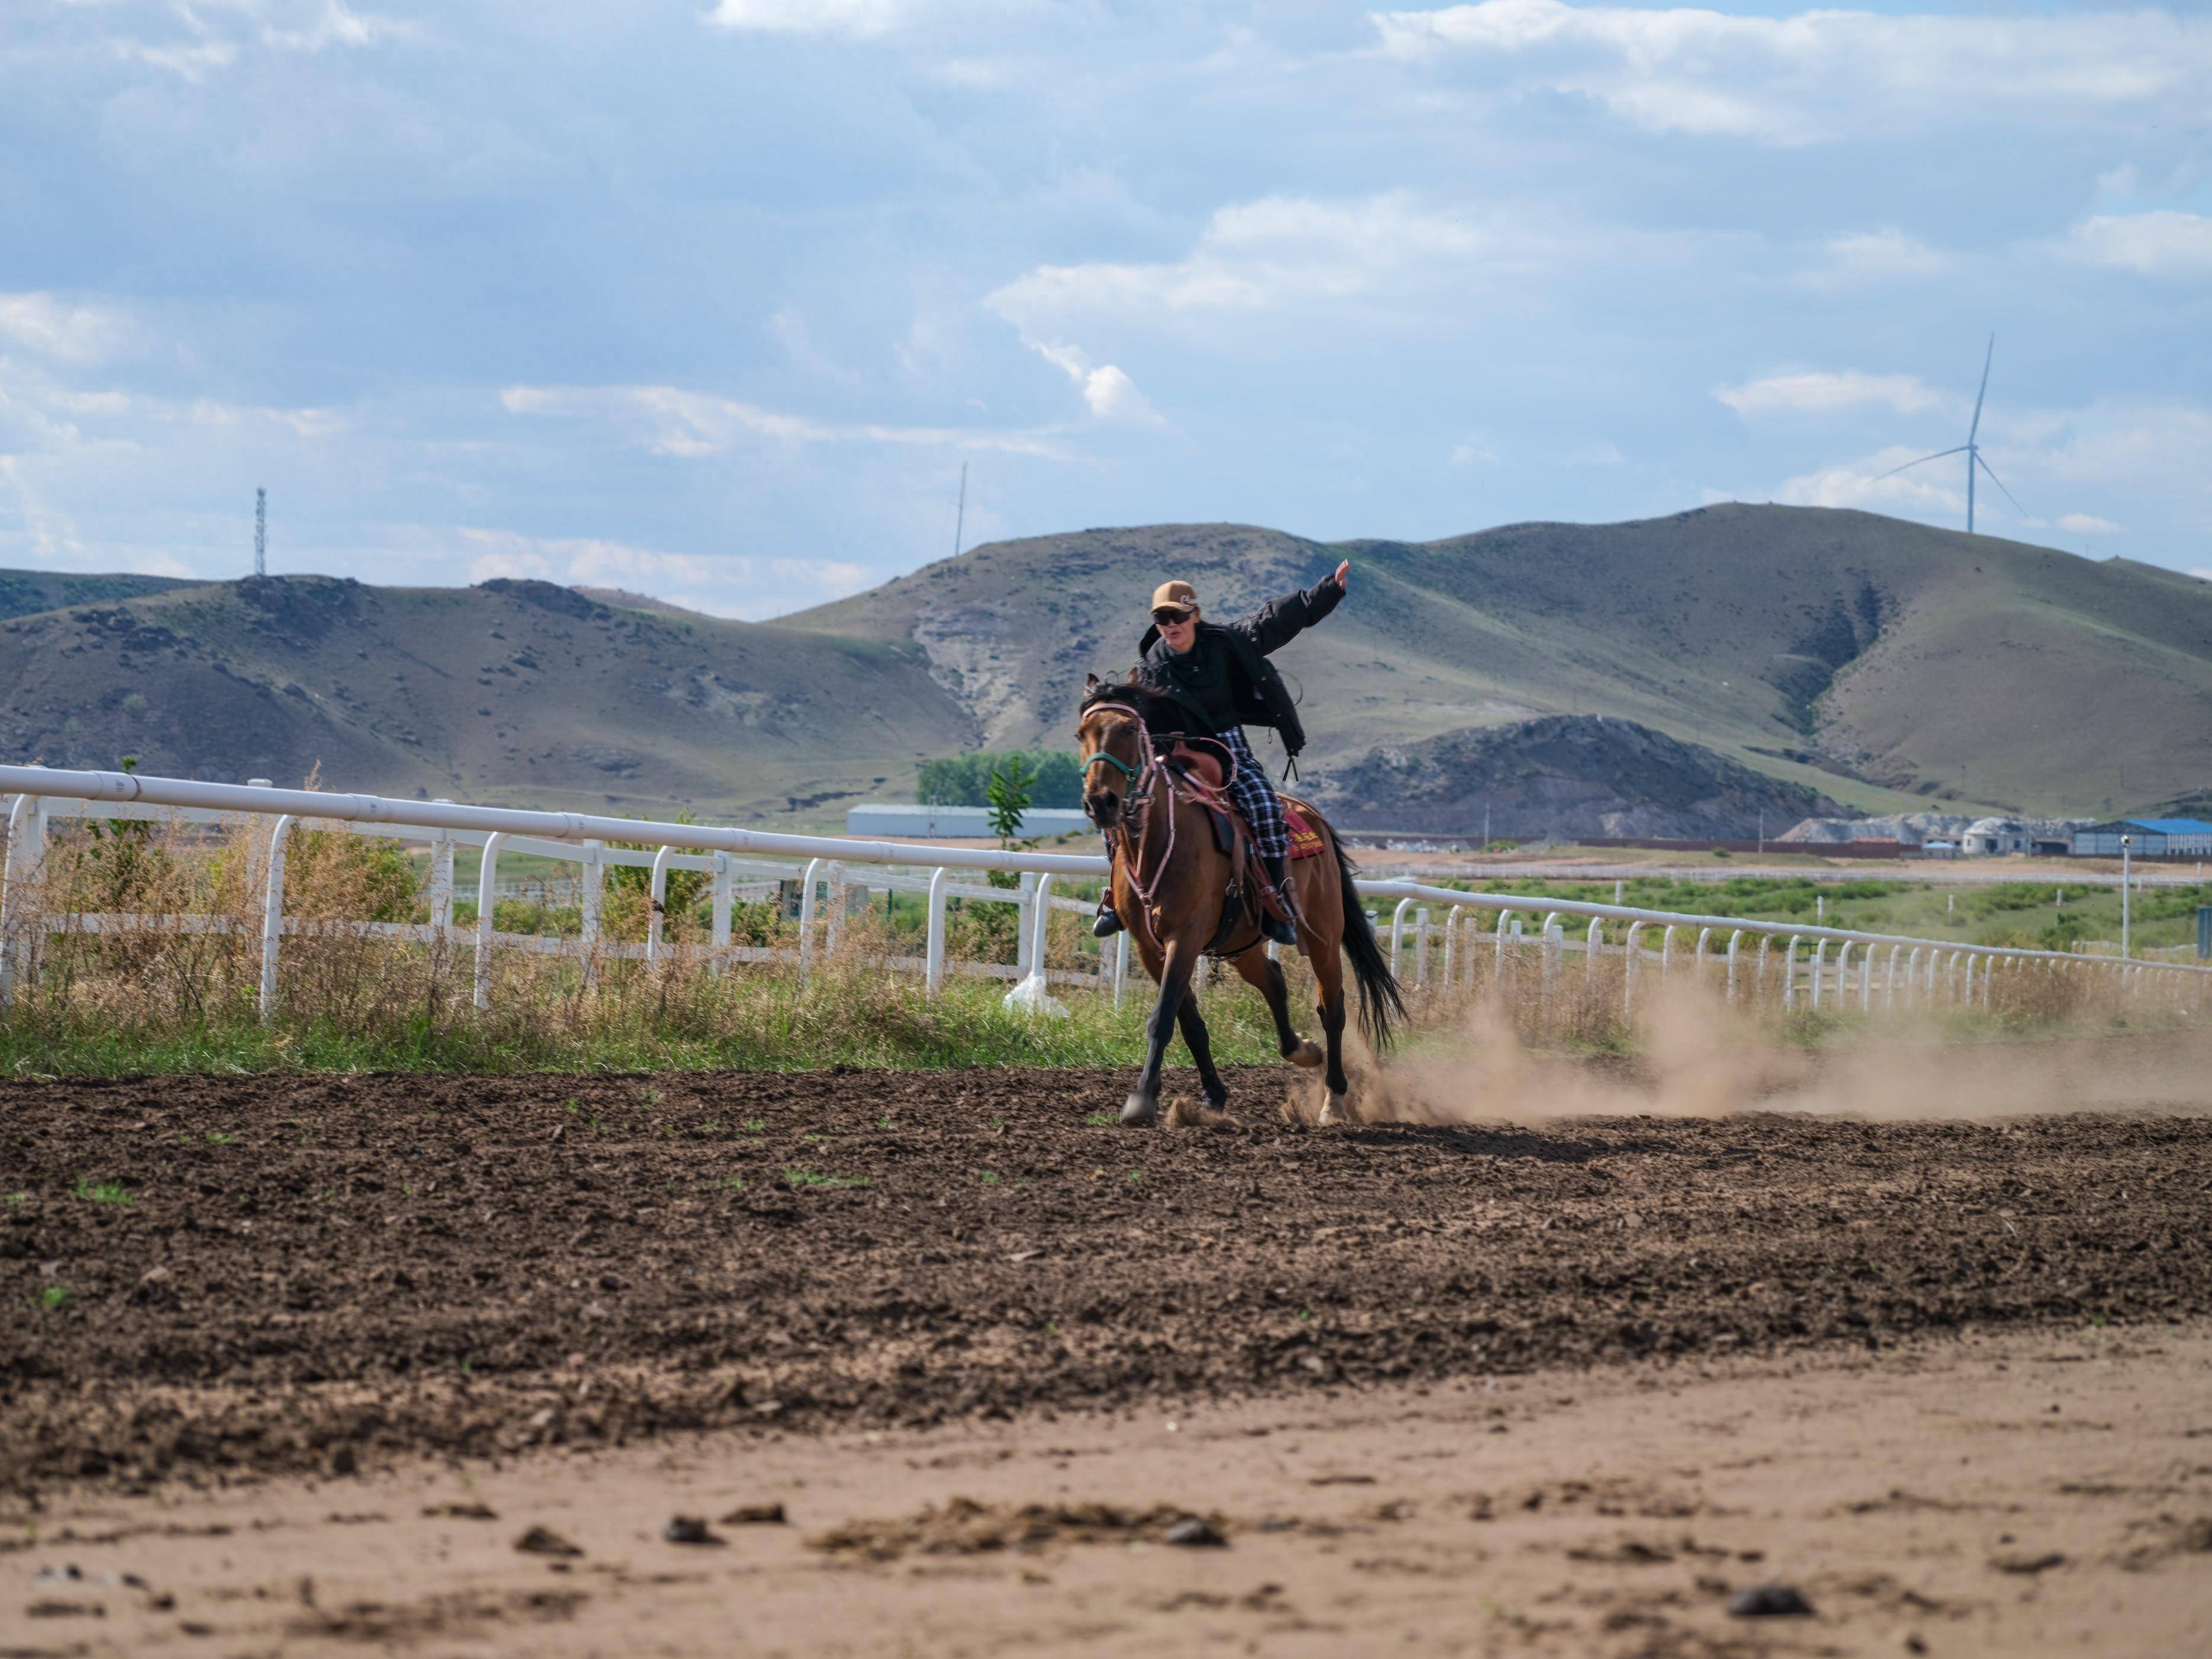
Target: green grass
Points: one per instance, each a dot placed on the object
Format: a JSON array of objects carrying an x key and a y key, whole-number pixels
[
  {"x": 103, "y": 1192},
  {"x": 756, "y": 1024},
  {"x": 54, "y": 1296},
  {"x": 810, "y": 1178}
]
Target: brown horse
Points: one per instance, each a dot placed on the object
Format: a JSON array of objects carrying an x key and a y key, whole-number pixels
[{"x": 1172, "y": 886}]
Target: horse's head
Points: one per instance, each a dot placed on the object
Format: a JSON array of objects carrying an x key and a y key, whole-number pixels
[{"x": 1110, "y": 737}]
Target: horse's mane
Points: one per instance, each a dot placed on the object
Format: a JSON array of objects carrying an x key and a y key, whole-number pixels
[{"x": 1159, "y": 715}]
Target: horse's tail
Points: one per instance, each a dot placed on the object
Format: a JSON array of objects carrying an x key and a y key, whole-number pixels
[{"x": 1381, "y": 1005}]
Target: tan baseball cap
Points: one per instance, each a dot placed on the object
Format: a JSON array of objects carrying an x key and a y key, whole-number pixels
[{"x": 1174, "y": 596}]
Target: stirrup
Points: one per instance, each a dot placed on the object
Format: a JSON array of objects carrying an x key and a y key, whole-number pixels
[
  {"x": 1106, "y": 924},
  {"x": 1282, "y": 931}
]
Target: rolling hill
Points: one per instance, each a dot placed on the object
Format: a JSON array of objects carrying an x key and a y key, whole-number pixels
[
  {"x": 512, "y": 692},
  {"x": 1882, "y": 662},
  {"x": 1887, "y": 665}
]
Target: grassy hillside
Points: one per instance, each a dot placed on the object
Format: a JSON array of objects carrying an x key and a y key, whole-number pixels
[
  {"x": 517, "y": 692},
  {"x": 1887, "y": 664},
  {"x": 24, "y": 592}
]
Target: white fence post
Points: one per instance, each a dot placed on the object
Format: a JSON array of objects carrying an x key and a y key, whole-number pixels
[
  {"x": 1789, "y": 976},
  {"x": 1024, "y": 922},
  {"x": 591, "y": 900},
  {"x": 656, "y": 894},
  {"x": 441, "y": 876},
  {"x": 1735, "y": 939},
  {"x": 1593, "y": 946},
  {"x": 1120, "y": 965},
  {"x": 27, "y": 856},
  {"x": 1398, "y": 934},
  {"x": 487, "y": 901},
  {"x": 1420, "y": 944},
  {"x": 1820, "y": 968},
  {"x": 1451, "y": 945},
  {"x": 272, "y": 916},
  {"x": 723, "y": 882},
  {"x": 833, "y": 880},
  {"x": 806, "y": 916},
  {"x": 933, "y": 950},
  {"x": 1634, "y": 960},
  {"x": 1043, "y": 899},
  {"x": 1498, "y": 966}
]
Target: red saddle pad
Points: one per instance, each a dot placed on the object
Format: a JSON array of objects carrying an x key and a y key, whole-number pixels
[{"x": 1305, "y": 840}]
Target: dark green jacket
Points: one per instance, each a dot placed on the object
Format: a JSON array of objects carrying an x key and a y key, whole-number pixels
[{"x": 1225, "y": 679}]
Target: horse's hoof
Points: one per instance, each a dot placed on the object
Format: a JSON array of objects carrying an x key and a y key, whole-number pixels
[
  {"x": 1140, "y": 1112},
  {"x": 1308, "y": 1055},
  {"x": 1337, "y": 1109}
]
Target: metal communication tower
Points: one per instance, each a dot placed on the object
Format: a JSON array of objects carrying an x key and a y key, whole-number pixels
[{"x": 260, "y": 532}]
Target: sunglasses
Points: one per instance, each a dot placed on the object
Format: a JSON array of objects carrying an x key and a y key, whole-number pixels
[{"x": 1168, "y": 619}]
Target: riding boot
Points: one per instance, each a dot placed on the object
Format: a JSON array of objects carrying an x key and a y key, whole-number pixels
[
  {"x": 1282, "y": 931},
  {"x": 1105, "y": 924}
]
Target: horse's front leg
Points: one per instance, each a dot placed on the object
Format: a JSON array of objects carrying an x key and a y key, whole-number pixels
[
  {"x": 1143, "y": 1106},
  {"x": 1200, "y": 1043}
]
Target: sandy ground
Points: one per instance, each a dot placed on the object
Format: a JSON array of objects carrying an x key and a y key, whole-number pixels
[{"x": 2007, "y": 1495}]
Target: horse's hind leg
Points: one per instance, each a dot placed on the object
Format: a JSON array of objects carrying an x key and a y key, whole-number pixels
[
  {"x": 1265, "y": 975},
  {"x": 1328, "y": 970},
  {"x": 1200, "y": 1042}
]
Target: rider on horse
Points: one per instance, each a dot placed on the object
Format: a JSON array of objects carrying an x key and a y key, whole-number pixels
[{"x": 1218, "y": 675}]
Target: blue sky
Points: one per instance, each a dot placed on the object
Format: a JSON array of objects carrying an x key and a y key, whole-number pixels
[{"x": 716, "y": 300}]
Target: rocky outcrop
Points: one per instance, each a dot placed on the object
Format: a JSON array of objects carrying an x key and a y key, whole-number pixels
[{"x": 1563, "y": 774}]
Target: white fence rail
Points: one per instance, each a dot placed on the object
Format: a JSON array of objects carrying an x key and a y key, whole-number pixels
[{"x": 1915, "y": 973}]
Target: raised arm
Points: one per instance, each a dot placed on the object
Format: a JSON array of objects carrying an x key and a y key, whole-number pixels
[{"x": 1276, "y": 623}]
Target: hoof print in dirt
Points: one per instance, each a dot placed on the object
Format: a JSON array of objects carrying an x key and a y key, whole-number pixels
[
  {"x": 1769, "y": 1601},
  {"x": 1192, "y": 1532},
  {"x": 755, "y": 1515},
  {"x": 689, "y": 1530},
  {"x": 544, "y": 1540},
  {"x": 2027, "y": 1562}
]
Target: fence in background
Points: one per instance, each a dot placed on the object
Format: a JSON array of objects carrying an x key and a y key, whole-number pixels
[{"x": 1914, "y": 973}]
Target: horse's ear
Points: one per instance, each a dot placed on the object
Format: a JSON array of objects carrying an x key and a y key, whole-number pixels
[{"x": 1090, "y": 682}]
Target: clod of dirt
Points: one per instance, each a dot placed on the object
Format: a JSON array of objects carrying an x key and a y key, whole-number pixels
[
  {"x": 689, "y": 1530},
  {"x": 461, "y": 1511},
  {"x": 544, "y": 1540},
  {"x": 964, "y": 1527},
  {"x": 1769, "y": 1601},
  {"x": 2194, "y": 1536},
  {"x": 344, "y": 1462},
  {"x": 755, "y": 1515},
  {"x": 1194, "y": 1534},
  {"x": 2027, "y": 1562}
]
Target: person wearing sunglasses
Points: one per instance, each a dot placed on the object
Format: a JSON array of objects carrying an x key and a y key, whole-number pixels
[{"x": 1218, "y": 673}]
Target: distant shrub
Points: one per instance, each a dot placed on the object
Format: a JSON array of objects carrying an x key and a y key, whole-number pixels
[{"x": 965, "y": 780}]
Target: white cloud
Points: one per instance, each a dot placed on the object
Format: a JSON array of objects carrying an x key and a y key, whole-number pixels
[
  {"x": 1883, "y": 255},
  {"x": 1816, "y": 393},
  {"x": 719, "y": 585},
  {"x": 2086, "y": 524},
  {"x": 1823, "y": 75},
  {"x": 338, "y": 26},
  {"x": 2164, "y": 243},
  {"x": 851, "y": 17},
  {"x": 1918, "y": 493},
  {"x": 675, "y": 422},
  {"x": 1112, "y": 395},
  {"x": 56, "y": 329},
  {"x": 1260, "y": 256}
]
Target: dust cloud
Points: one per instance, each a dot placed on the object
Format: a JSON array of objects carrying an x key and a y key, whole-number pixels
[{"x": 1700, "y": 1058}]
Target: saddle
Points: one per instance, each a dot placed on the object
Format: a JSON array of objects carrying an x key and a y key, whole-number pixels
[{"x": 1206, "y": 762}]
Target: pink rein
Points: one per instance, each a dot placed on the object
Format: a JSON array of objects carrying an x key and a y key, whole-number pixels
[{"x": 1155, "y": 767}]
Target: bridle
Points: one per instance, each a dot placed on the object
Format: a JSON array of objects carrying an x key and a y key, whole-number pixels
[{"x": 1136, "y": 810}]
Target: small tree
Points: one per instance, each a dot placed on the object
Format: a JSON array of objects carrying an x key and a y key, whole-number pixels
[{"x": 1008, "y": 795}]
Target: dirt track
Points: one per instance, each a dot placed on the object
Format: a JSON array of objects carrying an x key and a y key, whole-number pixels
[{"x": 327, "y": 1274}]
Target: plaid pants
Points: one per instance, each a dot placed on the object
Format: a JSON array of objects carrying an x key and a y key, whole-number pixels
[{"x": 1255, "y": 797}]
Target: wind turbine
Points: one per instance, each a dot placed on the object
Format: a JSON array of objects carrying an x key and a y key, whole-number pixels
[{"x": 1970, "y": 449}]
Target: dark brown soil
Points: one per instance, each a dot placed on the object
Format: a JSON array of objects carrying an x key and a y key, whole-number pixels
[{"x": 331, "y": 1273}]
